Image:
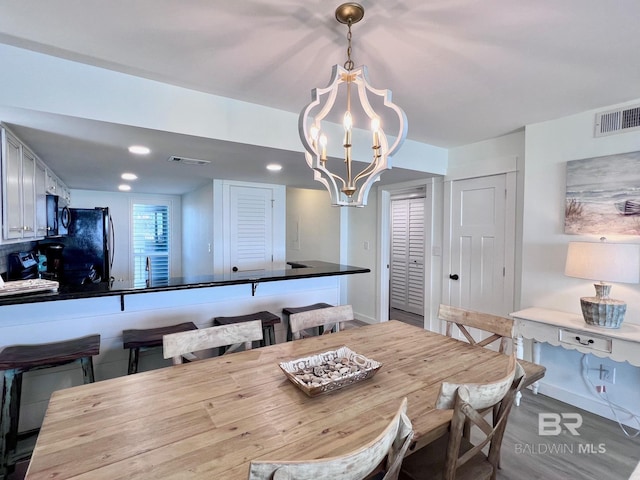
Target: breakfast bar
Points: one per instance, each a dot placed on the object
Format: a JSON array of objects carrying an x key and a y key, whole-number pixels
[{"x": 76, "y": 311}]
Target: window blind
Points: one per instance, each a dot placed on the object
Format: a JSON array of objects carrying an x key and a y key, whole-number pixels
[{"x": 150, "y": 241}]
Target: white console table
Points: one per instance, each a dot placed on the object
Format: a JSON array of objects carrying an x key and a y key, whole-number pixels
[{"x": 569, "y": 330}]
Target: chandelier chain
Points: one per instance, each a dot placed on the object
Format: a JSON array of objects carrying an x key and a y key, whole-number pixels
[{"x": 348, "y": 65}]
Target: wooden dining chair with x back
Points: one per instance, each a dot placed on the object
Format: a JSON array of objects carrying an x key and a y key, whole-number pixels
[
  {"x": 500, "y": 328},
  {"x": 180, "y": 346},
  {"x": 330, "y": 319},
  {"x": 453, "y": 456},
  {"x": 384, "y": 454}
]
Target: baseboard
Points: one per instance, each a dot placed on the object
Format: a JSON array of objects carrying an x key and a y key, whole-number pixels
[
  {"x": 592, "y": 405},
  {"x": 365, "y": 318}
]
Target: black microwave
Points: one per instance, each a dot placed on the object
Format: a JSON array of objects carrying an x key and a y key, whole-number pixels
[{"x": 57, "y": 217}]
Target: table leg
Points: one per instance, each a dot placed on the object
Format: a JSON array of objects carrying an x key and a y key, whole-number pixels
[
  {"x": 536, "y": 359},
  {"x": 519, "y": 346}
]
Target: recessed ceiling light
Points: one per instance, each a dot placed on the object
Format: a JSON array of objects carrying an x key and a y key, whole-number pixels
[
  {"x": 274, "y": 167},
  {"x": 124, "y": 187},
  {"x": 139, "y": 149},
  {"x": 129, "y": 176}
]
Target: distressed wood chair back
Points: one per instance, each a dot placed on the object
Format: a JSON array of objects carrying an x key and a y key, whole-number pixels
[
  {"x": 387, "y": 450},
  {"x": 500, "y": 328},
  {"x": 454, "y": 456},
  {"x": 331, "y": 318},
  {"x": 182, "y": 344}
]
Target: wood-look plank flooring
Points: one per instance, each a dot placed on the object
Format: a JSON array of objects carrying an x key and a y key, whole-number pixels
[
  {"x": 606, "y": 452},
  {"x": 406, "y": 317}
]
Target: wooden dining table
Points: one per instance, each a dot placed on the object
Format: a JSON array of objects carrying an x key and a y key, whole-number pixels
[{"x": 209, "y": 419}]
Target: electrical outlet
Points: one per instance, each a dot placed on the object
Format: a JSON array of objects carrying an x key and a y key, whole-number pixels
[{"x": 607, "y": 374}]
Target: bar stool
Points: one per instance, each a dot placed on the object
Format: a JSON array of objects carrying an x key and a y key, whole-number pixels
[
  {"x": 144, "y": 339},
  {"x": 17, "y": 359},
  {"x": 291, "y": 310},
  {"x": 268, "y": 321}
]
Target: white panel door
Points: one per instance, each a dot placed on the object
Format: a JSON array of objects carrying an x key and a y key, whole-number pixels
[
  {"x": 477, "y": 247},
  {"x": 251, "y": 228},
  {"x": 407, "y": 255}
]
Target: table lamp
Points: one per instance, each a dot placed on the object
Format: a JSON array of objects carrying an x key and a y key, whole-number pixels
[{"x": 602, "y": 261}]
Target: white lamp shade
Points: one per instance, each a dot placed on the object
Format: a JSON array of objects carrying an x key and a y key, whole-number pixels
[{"x": 605, "y": 262}]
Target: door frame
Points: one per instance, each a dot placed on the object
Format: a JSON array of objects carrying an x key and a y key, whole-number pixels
[
  {"x": 432, "y": 265},
  {"x": 508, "y": 305},
  {"x": 221, "y": 225},
  {"x": 409, "y": 199}
]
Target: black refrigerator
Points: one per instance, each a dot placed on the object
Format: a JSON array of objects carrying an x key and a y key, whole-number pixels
[{"x": 85, "y": 254}]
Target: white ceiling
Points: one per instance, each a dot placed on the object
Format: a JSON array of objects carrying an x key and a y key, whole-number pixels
[{"x": 463, "y": 70}]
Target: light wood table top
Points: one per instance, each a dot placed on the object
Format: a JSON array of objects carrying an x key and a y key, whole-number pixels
[{"x": 209, "y": 419}]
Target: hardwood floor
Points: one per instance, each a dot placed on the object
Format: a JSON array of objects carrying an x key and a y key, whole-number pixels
[
  {"x": 601, "y": 451},
  {"x": 406, "y": 317}
]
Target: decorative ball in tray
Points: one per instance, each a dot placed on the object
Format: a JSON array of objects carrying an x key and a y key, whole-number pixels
[{"x": 329, "y": 371}]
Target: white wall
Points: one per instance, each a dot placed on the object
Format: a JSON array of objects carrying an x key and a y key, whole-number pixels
[
  {"x": 549, "y": 146},
  {"x": 197, "y": 231},
  {"x": 120, "y": 209},
  {"x": 313, "y": 226},
  {"x": 64, "y": 87},
  {"x": 361, "y": 249},
  {"x": 491, "y": 157}
]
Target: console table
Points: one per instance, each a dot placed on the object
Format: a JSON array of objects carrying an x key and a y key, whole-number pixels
[{"x": 568, "y": 330}]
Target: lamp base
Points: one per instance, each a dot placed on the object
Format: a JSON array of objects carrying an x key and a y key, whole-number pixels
[{"x": 603, "y": 312}]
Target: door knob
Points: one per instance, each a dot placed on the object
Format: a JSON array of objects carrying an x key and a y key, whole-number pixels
[
  {"x": 454, "y": 276},
  {"x": 235, "y": 269}
]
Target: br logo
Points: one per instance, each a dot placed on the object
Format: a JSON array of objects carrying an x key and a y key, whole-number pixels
[{"x": 552, "y": 423}]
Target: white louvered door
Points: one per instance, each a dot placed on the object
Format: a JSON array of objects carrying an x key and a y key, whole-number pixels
[
  {"x": 407, "y": 255},
  {"x": 251, "y": 228}
]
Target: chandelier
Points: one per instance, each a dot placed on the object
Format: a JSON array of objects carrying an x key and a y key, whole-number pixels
[{"x": 319, "y": 132}]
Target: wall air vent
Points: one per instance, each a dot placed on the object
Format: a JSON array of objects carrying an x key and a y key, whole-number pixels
[
  {"x": 188, "y": 161},
  {"x": 617, "y": 121}
]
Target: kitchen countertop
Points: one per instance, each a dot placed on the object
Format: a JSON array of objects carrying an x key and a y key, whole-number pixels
[{"x": 299, "y": 270}]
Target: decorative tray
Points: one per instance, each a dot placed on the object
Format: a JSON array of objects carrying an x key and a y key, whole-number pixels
[{"x": 329, "y": 371}]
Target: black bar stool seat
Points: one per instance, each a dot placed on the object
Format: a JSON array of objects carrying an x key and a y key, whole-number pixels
[
  {"x": 136, "y": 340},
  {"x": 268, "y": 321},
  {"x": 291, "y": 310},
  {"x": 18, "y": 359}
]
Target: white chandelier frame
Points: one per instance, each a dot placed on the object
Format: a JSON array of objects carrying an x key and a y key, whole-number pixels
[{"x": 347, "y": 192}]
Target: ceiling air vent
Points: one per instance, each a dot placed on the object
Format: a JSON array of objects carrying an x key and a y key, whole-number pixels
[
  {"x": 617, "y": 121},
  {"x": 188, "y": 161}
]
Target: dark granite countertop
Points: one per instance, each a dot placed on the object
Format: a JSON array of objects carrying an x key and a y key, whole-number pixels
[{"x": 301, "y": 269}]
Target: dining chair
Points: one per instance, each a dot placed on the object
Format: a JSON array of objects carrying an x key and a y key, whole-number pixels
[
  {"x": 386, "y": 451},
  {"x": 331, "y": 319},
  {"x": 453, "y": 456},
  {"x": 181, "y": 345},
  {"x": 500, "y": 328}
]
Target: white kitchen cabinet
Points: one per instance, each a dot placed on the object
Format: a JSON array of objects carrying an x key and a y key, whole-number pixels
[
  {"x": 18, "y": 197},
  {"x": 55, "y": 186},
  {"x": 26, "y": 181},
  {"x": 41, "y": 199},
  {"x": 65, "y": 194},
  {"x": 28, "y": 193},
  {"x": 51, "y": 183}
]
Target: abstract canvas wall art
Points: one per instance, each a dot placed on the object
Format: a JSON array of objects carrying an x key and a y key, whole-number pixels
[{"x": 603, "y": 195}]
